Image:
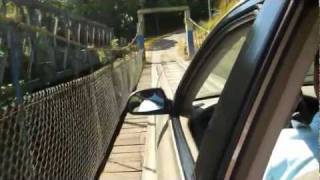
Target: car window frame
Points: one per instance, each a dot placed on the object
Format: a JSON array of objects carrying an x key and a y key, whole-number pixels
[
  {"x": 194, "y": 77},
  {"x": 243, "y": 13},
  {"x": 243, "y": 24},
  {"x": 302, "y": 45}
]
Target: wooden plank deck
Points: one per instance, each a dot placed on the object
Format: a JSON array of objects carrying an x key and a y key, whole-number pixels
[
  {"x": 134, "y": 155},
  {"x": 126, "y": 158}
]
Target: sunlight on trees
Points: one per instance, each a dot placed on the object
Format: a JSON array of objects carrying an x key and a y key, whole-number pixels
[{"x": 122, "y": 14}]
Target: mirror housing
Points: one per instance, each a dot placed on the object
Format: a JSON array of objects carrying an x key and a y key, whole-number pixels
[{"x": 149, "y": 102}]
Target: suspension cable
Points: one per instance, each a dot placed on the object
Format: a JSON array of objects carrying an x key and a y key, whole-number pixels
[{"x": 198, "y": 26}]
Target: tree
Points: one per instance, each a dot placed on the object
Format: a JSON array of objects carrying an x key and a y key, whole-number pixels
[
  {"x": 122, "y": 14},
  {"x": 163, "y": 3}
]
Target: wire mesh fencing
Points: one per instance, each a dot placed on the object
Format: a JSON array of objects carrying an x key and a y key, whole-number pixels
[
  {"x": 63, "y": 132},
  {"x": 60, "y": 99}
]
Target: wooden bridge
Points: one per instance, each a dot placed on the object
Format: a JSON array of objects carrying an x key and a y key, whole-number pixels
[
  {"x": 64, "y": 88},
  {"x": 134, "y": 154}
]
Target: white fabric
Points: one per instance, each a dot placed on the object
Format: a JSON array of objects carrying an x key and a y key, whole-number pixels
[{"x": 296, "y": 154}]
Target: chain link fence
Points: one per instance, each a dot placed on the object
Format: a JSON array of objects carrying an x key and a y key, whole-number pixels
[
  {"x": 60, "y": 102},
  {"x": 63, "y": 132}
]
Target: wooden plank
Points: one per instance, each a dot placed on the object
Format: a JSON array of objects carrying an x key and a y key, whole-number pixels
[
  {"x": 125, "y": 157},
  {"x": 136, "y": 121},
  {"x": 118, "y": 166},
  {"x": 133, "y": 131},
  {"x": 133, "y": 126},
  {"x": 134, "y": 140},
  {"x": 130, "y": 116},
  {"x": 140, "y": 136},
  {"x": 136, "y": 125},
  {"x": 121, "y": 176},
  {"x": 128, "y": 149}
]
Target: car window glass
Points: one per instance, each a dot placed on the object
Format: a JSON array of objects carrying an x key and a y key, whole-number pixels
[{"x": 226, "y": 54}]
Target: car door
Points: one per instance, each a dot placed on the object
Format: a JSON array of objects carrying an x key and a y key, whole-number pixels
[
  {"x": 258, "y": 93},
  {"x": 175, "y": 148},
  {"x": 230, "y": 32}
]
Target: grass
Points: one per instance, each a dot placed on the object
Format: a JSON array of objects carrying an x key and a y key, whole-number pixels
[{"x": 223, "y": 9}]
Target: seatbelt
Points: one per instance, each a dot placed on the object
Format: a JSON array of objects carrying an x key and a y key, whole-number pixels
[
  {"x": 305, "y": 113},
  {"x": 306, "y": 109}
]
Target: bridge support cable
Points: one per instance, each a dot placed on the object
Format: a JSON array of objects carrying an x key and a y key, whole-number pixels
[{"x": 199, "y": 34}]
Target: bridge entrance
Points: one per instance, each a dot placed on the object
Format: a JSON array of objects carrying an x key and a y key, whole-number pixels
[{"x": 188, "y": 25}]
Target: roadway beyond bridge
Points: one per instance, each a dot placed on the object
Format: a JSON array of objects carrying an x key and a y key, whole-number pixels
[{"x": 133, "y": 156}]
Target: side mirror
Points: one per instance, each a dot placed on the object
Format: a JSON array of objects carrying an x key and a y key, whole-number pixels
[{"x": 149, "y": 102}]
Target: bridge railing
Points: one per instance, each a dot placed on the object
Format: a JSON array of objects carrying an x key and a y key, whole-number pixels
[
  {"x": 199, "y": 33},
  {"x": 57, "y": 21},
  {"x": 51, "y": 51},
  {"x": 60, "y": 101}
]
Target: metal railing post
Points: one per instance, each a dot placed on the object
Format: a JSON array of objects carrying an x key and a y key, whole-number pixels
[
  {"x": 189, "y": 33},
  {"x": 16, "y": 62},
  {"x": 93, "y": 36},
  {"x": 79, "y": 33},
  {"x": 140, "y": 31}
]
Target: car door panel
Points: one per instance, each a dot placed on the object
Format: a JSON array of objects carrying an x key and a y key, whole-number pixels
[
  {"x": 252, "y": 65},
  {"x": 299, "y": 48}
]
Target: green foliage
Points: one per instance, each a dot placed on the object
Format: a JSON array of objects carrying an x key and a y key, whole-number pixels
[
  {"x": 3, "y": 51},
  {"x": 122, "y": 14},
  {"x": 210, "y": 24},
  {"x": 164, "y": 3},
  {"x": 102, "y": 56},
  {"x": 115, "y": 43},
  {"x": 57, "y": 3},
  {"x": 118, "y": 14},
  {"x": 222, "y": 10}
]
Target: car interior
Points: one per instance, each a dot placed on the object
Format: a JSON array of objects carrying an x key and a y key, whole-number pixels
[
  {"x": 225, "y": 54},
  {"x": 307, "y": 106},
  {"x": 207, "y": 97}
]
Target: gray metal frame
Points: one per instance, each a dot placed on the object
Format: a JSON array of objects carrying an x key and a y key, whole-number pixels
[{"x": 188, "y": 25}]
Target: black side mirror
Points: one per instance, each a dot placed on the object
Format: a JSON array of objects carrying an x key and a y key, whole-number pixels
[{"x": 149, "y": 102}]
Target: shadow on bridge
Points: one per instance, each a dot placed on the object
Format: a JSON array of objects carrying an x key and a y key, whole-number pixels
[{"x": 163, "y": 44}]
